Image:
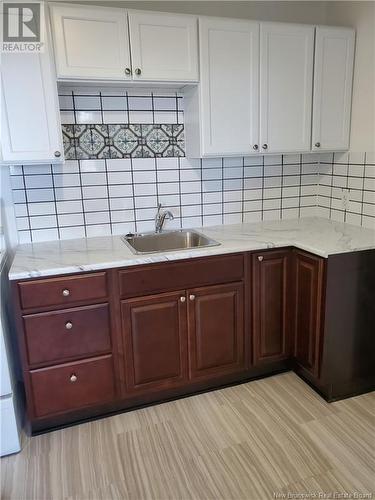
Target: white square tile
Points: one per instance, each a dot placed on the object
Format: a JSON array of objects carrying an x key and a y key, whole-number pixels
[
  {"x": 168, "y": 175},
  {"x": 170, "y": 200},
  {"x": 232, "y": 207},
  {"x": 212, "y": 174},
  {"x": 233, "y": 172},
  {"x": 87, "y": 103},
  {"x": 254, "y": 171},
  {"x": 121, "y": 203},
  {"x": 94, "y": 179},
  {"x": 145, "y": 226},
  {"x": 22, "y": 223},
  {"x": 67, "y": 193},
  {"x": 45, "y": 235},
  {"x": 271, "y": 215},
  {"x": 229, "y": 196},
  {"x": 67, "y": 117},
  {"x": 123, "y": 228},
  {"x": 97, "y": 218},
  {"x": 40, "y": 195},
  {"x": 144, "y": 189},
  {"x": 70, "y": 220},
  {"x": 145, "y": 214},
  {"x": 121, "y": 165},
  {"x": 20, "y": 210},
  {"x": 254, "y": 183},
  {"x": 95, "y": 192},
  {"x": 214, "y": 197},
  {"x": 122, "y": 216},
  {"x": 272, "y": 193},
  {"x": 119, "y": 177},
  {"x": 68, "y": 233},
  {"x": 140, "y": 117},
  {"x": 69, "y": 207},
  {"x": 292, "y": 191},
  {"x": 146, "y": 202},
  {"x": 68, "y": 167},
  {"x": 115, "y": 117},
  {"x": 253, "y": 194},
  {"x": 253, "y": 160},
  {"x": 168, "y": 188},
  {"x": 95, "y": 205},
  {"x": 292, "y": 202},
  {"x": 233, "y": 161},
  {"x": 38, "y": 181},
  {"x": 252, "y": 205},
  {"x": 24, "y": 237},
  {"x": 43, "y": 222},
  {"x": 191, "y": 211},
  {"x": 233, "y": 184},
  {"x": 191, "y": 198},
  {"x": 271, "y": 204},
  {"x": 212, "y": 220},
  {"x": 98, "y": 230},
  {"x": 191, "y": 175},
  {"x": 66, "y": 180},
  {"x": 45, "y": 208},
  {"x": 167, "y": 103},
  {"x": 271, "y": 182},
  {"x": 191, "y": 222},
  {"x": 191, "y": 187},
  {"x": 272, "y": 170},
  {"x": 290, "y": 213},
  {"x": 88, "y": 117},
  {"x": 92, "y": 166},
  {"x": 144, "y": 177},
  {"x": 212, "y": 209},
  {"x": 165, "y": 117},
  {"x": 173, "y": 163}
]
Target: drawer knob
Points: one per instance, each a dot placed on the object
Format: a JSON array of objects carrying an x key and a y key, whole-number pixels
[
  {"x": 138, "y": 71},
  {"x": 68, "y": 325},
  {"x": 128, "y": 71},
  {"x": 317, "y": 144},
  {"x": 57, "y": 154},
  {"x": 260, "y": 258},
  {"x": 66, "y": 292},
  {"x": 182, "y": 299},
  {"x": 255, "y": 147},
  {"x": 265, "y": 146},
  {"x": 192, "y": 297},
  {"x": 73, "y": 378}
]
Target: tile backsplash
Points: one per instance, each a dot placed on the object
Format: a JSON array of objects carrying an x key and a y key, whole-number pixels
[{"x": 125, "y": 154}]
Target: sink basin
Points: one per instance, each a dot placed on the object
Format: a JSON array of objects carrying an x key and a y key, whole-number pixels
[{"x": 167, "y": 241}]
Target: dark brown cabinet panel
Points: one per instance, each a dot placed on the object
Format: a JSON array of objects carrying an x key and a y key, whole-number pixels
[
  {"x": 271, "y": 310},
  {"x": 154, "y": 330},
  {"x": 308, "y": 272},
  {"x": 159, "y": 278},
  {"x": 58, "y": 336},
  {"x": 63, "y": 291},
  {"x": 216, "y": 325},
  {"x": 73, "y": 386}
]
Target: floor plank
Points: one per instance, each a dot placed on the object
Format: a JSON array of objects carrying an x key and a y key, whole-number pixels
[{"x": 251, "y": 441}]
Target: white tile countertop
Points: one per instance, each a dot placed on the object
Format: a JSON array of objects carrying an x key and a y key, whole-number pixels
[{"x": 319, "y": 236}]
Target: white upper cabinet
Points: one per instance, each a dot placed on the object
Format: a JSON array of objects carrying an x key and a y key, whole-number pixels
[
  {"x": 163, "y": 46},
  {"x": 30, "y": 118},
  {"x": 286, "y": 75},
  {"x": 221, "y": 117},
  {"x": 93, "y": 43},
  {"x": 90, "y": 42},
  {"x": 334, "y": 57}
]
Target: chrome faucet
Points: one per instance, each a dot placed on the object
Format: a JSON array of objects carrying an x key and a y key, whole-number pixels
[{"x": 160, "y": 218}]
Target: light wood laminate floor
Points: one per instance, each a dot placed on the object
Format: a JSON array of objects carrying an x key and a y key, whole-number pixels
[{"x": 250, "y": 441}]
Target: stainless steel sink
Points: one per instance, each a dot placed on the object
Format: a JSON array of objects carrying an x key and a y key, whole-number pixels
[{"x": 167, "y": 241}]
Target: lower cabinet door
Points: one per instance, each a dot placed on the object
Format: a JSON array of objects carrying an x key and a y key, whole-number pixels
[
  {"x": 154, "y": 329},
  {"x": 271, "y": 305},
  {"x": 308, "y": 271},
  {"x": 216, "y": 331}
]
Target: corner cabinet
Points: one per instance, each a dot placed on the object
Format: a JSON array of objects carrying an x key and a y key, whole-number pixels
[
  {"x": 333, "y": 79},
  {"x": 30, "y": 118},
  {"x": 101, "y": 43},
  {"x": 308, "y": 310},
  {"x": 271, "y": 295}
]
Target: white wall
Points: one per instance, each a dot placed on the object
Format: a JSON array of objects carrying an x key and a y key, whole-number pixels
[
  {"x": 361, "y": 16},
  {"x": 284, "y": 11}
]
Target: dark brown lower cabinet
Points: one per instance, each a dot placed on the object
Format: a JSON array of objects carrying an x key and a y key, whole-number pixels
[
  {"x": 216, "y": 331},
  {"x": 154, "y": 329},
  {"x": 308, "y": 310},
  {"x": 271, "y": 292}
]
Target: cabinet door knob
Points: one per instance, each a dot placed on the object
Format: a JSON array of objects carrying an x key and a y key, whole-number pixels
[
  {"x": 57, "y": 154},
  {"x": 66, "y": 292},
  {"x": 260, "y": 258},
  {"x": 265, "y": 146},
  {"x": 128, "y": 71},
  {"x": 192, "y": 297},
  {"x": 182, "y": 299},
  {"x": 255, "y": 147},
  {"x": 138, "y": 71},
  {"x": 68, "y": 325},
  {"x": 73, "y": 377},
  {"x": 317, "y": 144}
]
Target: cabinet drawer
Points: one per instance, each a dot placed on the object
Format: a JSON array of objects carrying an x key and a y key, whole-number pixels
[
  {"x": 73, "y": 386},
  {"x": 64, "y": 290},
  {"x": 64, "y": 335},
  {"x": 180, "y": 275}
]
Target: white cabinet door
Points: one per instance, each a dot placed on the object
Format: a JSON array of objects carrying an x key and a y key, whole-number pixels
[
  {"x": 30, "y": 117},
  {"x": 163, "y": 46},
  {"x": 334, "y": 57},
  {"x": 229, "y": 64},
  {"x": 90, "y": 42},
  {"x": 286, "y": 74}
]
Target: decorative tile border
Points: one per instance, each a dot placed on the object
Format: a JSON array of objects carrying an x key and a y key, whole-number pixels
[{"x": 109, "y": 141}]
